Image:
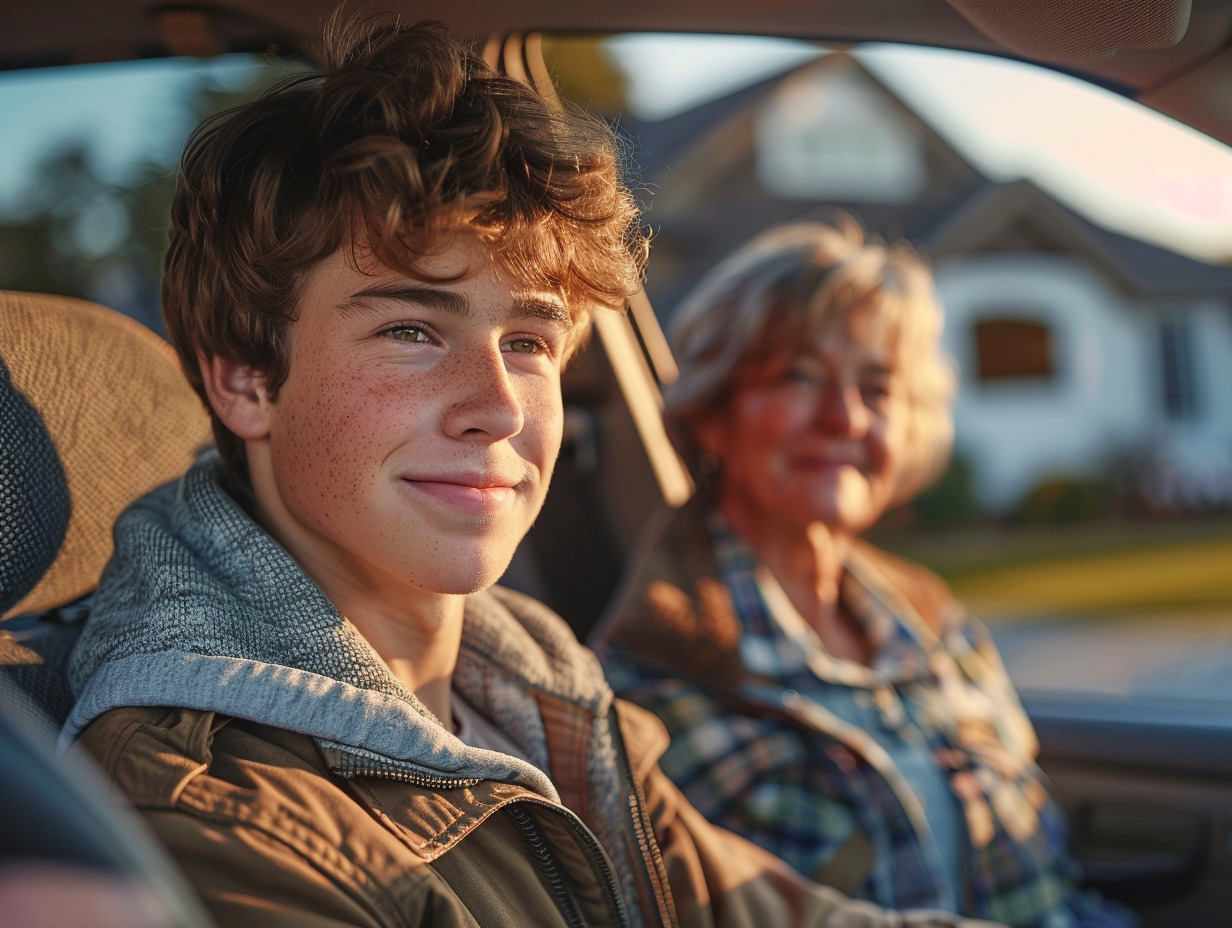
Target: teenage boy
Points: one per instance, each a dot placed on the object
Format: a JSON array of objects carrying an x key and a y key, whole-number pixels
[{"x": 294, "y": 666}]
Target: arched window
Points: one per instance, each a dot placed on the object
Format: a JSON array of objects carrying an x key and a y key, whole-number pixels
[{"x": 1012, "y": 349}]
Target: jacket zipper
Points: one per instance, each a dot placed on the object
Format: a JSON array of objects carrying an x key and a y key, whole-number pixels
[
  {"x": 424, "y": 780},
  {"x": 598, "y": 856},
  {"x": 543, "y": 854},
  {"x": 650, "y": 855},
  {"x": 547, "y": 866}
]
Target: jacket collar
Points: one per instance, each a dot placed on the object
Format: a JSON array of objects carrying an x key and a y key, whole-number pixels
[{"x": 674, "y": 602}]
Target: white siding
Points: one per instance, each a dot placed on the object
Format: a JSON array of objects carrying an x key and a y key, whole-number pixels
[
  {"x": 1102, "y": 395},
  {"x": 831, "y": 135},
  {"x": 1198, "y": 451}
]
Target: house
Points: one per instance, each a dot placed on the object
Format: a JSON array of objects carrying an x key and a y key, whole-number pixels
[
  {"x": 1078, "y": 349},
  {"x": 824, "y": 138}
]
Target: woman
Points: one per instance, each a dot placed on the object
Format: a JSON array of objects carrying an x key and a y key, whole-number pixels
[{"x": 826, "y": 700}]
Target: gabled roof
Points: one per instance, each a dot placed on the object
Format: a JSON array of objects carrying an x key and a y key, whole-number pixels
[
  {"x": 662, "y": 142},
  {"x": 1019, "y": 216},
  {"x": 658, "y": 141},
  {"x": 714, "y": 201},
  {"x": 712, "y": 204}
]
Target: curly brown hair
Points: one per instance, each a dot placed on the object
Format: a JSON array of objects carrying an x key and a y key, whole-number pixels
[{"x": 406, "y": 136}]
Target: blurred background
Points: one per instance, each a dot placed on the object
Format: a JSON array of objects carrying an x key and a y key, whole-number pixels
[{"x": 1082, "y": 247}]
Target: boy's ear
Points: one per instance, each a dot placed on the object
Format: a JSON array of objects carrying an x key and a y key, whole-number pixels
[{"x": 238, "y": 396}]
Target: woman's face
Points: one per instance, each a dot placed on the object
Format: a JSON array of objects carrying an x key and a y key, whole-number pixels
[{"x": 812, "y": 437}]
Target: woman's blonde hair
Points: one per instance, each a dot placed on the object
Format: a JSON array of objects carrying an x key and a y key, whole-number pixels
[{"x": 784, "y": 291}]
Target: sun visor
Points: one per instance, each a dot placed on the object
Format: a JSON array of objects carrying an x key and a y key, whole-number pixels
[{"x": 1077, "y": 30}]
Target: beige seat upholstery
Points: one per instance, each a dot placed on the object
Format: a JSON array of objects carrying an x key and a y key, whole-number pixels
[
  {"x": 121, "y": 415},
  {"x": 123, "y": 420},
  {"x": 104, "y": 395}
]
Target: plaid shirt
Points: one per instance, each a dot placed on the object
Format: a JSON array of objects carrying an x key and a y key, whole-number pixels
[{"x": 813, "y": 756}]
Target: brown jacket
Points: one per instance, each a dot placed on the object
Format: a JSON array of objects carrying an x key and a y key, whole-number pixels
[
  {"x": 269, "y": 837},
  {"x": 304, "y": 786}
]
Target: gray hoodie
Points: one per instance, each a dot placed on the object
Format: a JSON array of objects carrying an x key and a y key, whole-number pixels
[{"x": 201, "y": 609}]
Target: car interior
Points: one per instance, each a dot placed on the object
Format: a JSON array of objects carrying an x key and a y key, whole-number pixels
[{"x": 1145, "y": 778}]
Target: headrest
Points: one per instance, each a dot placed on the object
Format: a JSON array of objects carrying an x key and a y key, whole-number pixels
[
  {"x": 120, "y": 415},
  {"x": 34, "y": 505}
]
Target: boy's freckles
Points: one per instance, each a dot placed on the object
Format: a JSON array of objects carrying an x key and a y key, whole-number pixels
[{"x": 411, "y": 445}]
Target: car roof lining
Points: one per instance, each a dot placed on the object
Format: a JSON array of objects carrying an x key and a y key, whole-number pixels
[
  {"x": 1175, "y": 78},
  {"x": 1058, "y": 31}
]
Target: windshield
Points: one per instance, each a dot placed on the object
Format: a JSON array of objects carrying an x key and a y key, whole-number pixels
[{"x": 1080, "y": 244}]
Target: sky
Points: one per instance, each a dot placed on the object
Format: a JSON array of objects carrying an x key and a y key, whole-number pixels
[
  {"x": 1113, "y": 160},
  {"x": 1124, "y": 165},
  {"x": 127, "y": 111}
]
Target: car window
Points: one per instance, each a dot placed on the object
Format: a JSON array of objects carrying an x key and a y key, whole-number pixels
[
  {"x": 1080, "y": 244},
  {"x": 86, "y": 164}
]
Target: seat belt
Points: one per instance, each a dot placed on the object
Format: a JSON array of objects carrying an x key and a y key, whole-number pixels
[{"x": 633, "y": 341}]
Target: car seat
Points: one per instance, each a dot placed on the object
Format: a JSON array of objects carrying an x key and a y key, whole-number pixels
[
  {"x": 93, "y": 412},
  {"x": 617, "y": 466},
  {"x": 117, "y": 419}
]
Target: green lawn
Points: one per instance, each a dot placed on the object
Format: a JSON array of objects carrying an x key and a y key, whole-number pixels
[{"x": 1108, "y": 569}]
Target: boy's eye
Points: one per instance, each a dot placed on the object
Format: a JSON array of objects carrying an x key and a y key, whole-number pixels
[
  {"x": 526, "y": 346},
  {"x": 409, "y": 333}
]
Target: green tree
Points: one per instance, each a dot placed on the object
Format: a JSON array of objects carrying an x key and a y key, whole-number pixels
[{"x": 81, "y": 234}]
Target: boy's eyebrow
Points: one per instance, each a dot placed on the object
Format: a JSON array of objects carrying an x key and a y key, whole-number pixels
[
  {"x": 454, "y": 302},
  {"x": 431, "y": 297},
  {"x": 542, "y": 309}
]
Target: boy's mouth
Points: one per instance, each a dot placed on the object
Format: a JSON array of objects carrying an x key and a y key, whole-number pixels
[{"x": 476, "y": 494}]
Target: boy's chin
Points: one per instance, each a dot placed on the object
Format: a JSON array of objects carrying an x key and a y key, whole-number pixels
[
  {"x": 466, "y": 588},
  {"x": 459, "y": 578}
]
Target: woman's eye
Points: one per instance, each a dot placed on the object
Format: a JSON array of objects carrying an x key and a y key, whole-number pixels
[
  {"x": 409, "y": 333},
  {"x": 874, "y": 393},
  {"x": 802, "y": 376},
  {"x": 794, "y": 373}
]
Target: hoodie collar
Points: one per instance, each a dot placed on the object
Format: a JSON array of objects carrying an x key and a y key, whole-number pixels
[{"x": 200, "y": 608}]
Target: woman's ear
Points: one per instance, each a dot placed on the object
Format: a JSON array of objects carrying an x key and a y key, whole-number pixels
[
  {"x": 709, "y": 433},
  {"x": 238, "y": 396}
]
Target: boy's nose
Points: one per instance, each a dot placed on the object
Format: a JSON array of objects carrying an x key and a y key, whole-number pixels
[{"x": 485, "y": 404}]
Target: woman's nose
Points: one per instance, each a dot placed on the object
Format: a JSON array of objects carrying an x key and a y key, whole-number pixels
[{"x": 841, "y": 410}]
